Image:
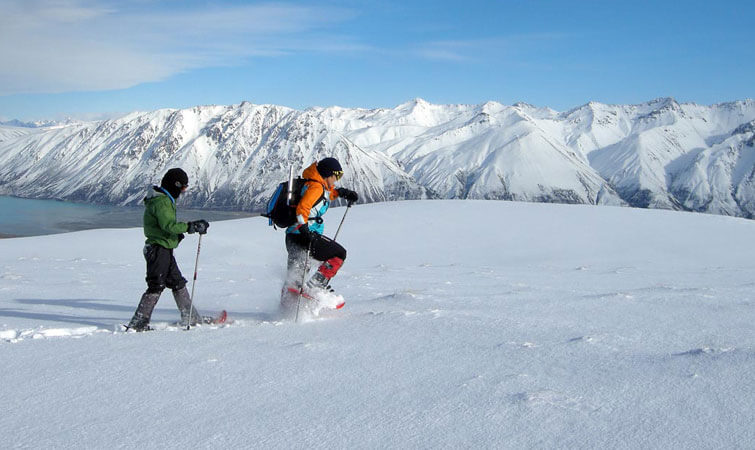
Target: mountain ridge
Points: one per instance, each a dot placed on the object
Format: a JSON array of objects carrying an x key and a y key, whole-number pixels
[{"x": 657, "y": 154}]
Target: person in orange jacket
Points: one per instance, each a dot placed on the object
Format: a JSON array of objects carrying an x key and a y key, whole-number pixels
[{"x": 306, "y": 235}]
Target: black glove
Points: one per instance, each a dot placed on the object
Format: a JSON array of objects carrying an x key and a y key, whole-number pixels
[
  {"x": 198, "y": 226},
  {"x": 348, "y": 195},
  {"x": 305, "y": 232}
]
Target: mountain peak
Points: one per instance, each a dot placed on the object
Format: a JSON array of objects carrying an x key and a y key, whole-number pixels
[
  {"x": 491, "y": 107},
  {"x": 413, "y": 104},
  {"x": 662, "y": 103}
]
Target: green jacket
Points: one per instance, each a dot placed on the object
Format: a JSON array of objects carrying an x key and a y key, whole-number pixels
[{"x": 160, "y": 226}]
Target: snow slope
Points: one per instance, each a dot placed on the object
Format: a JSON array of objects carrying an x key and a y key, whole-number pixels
[
  {"x": 468, "y": 324},
  {"x": 8, "y": 133}
]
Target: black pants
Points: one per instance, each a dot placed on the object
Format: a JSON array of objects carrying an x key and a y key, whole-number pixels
[
  {"x": 162, "y": 270},
  {"x": 322, "y": 248}
]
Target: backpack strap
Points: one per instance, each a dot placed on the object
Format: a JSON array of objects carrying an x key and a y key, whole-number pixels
[{"x": 308, "y": 180}]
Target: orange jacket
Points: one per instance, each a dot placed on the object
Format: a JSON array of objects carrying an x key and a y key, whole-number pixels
[{"x": 311, "y": 203}]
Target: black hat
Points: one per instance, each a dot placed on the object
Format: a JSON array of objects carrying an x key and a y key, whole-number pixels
[
  {"x": 174, "y": 181},
  {"x": 328, "y": 167}
]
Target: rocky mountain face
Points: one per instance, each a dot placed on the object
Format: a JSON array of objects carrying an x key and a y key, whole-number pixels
[{"x": 659, "y": 154}]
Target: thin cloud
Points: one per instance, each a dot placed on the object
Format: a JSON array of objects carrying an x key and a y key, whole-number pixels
[
  {"x": 68, "y": 45},
  {"x": 451, "y": 51},
  {"x": 467, "y": 50}
]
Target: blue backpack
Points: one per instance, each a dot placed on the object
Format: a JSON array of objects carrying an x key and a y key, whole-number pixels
[{"x": 281, "y": 208}]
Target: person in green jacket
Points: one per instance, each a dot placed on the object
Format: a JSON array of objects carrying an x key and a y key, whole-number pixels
[{"x": 164, "y": 234}]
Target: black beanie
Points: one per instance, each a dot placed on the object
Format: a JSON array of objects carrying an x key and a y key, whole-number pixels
[
  {"x": 327, "y": 166},
  {"x": 173, "y": 181}
]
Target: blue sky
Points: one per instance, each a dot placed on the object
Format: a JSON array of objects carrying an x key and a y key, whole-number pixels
[{"x": 98, "y": 58}]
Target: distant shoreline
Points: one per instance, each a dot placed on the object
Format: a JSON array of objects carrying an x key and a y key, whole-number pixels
[{"x": 36, "y": 217}]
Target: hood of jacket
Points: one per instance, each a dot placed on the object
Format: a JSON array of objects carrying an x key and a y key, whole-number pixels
[
  {"x": 312, "y": 174},
  {"x": 155, "y": 192}
]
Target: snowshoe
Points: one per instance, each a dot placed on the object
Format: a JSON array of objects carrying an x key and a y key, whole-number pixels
[
  {"x": 220, "y": 319},
  {"x": 322, "y": 297},
  {"x": 137, "y": 328}
]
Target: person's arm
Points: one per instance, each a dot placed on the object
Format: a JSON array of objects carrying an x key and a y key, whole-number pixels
[
  {"x": 311, "y": 196},
  {"x": 166, "y": 220}
]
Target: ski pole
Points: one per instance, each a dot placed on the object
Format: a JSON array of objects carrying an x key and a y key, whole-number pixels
[
  {"x": 342, "y": 219},
  {"x": 303, "y": 278},
  {"x": 193, "y": 283}
]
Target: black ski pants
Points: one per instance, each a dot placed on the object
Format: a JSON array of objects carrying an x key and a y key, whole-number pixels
[
  {"x": 322, "y": 248},
  {"x": 162, "y": 270}
]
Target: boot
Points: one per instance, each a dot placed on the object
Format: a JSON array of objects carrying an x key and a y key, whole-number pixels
[
  {"x": 318, "y": 281},
  {"x": 183, "y": 302},
  {"x": 143, "y": 314},
  {"x": 321, "y": 295},
  {"x": 318, "y": 285},
  {"x": 325, "y": 272}
]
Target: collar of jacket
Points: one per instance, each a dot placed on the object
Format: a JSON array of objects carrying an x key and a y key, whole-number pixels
[
  {"x": 165, "y": 191},
  {"x": 312, "y": 174}
]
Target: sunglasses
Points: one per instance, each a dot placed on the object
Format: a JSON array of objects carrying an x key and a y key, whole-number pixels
[{"x": 338, "y": 174}]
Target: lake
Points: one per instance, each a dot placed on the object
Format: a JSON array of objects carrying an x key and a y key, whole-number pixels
[{"x": 31, "y": 217}]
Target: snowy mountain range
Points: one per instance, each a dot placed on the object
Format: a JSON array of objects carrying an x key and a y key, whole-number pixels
[
  {"x": 659, "y": 154},
  {"x": 38, "y": 123}
]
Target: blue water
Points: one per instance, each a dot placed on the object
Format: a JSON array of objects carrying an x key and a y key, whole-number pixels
[{"x": 27, "y": 217}]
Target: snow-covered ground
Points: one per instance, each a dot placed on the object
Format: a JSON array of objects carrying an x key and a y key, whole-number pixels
[{"x": 468, "y": 324}]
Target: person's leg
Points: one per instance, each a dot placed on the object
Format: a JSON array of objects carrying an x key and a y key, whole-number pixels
[
  {"x": 332, "y": 255},
  {"x": 177, "y": 283},
  {"x": 297, "y": 258},
  {"x": 183, "y": 303},
  {"x": 296, "y": 262},
  {"x": 143, "y": 314},
  {"x": 158, "y": 263},
  {"x": 325, "y": 248}
]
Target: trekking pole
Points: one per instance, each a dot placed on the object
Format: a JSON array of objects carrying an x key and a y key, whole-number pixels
[
  {"x": 342, "y": 219},
  {"x": 303, "y": 278},
  {"x": 191, "y": 300}
]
